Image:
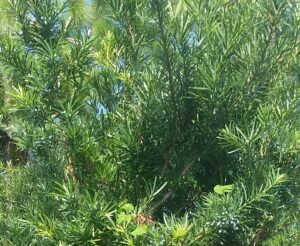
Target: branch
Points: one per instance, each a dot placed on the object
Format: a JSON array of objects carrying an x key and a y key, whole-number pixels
[
  {"x": 187, "y": 167},
  {"x": 168, "y": 63}
]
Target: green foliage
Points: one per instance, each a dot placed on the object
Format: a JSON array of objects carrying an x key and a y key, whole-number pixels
[{"x": 162, "y": 122}]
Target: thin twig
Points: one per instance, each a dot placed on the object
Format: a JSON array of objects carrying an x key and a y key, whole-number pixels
[{"x": 187, "y": 167}]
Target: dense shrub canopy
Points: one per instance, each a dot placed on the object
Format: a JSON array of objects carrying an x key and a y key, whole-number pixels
[{"x": 160, "y": 122}]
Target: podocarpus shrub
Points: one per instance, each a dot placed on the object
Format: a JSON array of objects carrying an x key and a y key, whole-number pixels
[{"x": 149, "y": 122}]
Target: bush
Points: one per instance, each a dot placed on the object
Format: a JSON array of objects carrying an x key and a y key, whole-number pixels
[{"x": 149, "y": 122}]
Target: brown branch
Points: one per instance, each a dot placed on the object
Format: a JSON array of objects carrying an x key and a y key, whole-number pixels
[
  {"x": 162, "y": 201},
  {"x": 187, "y": 167},
  {"x": 169, "y": 67},
  {"x": 259, "y": 236},
  {"x": 167, "y": 161}
]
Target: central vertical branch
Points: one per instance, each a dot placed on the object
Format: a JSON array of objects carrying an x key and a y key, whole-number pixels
[
  {"x": 168, "y": 61},
  {"x": 173, "y": 123}
]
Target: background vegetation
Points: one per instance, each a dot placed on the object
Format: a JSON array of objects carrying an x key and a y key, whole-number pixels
[{"x": 149, "y": 122}]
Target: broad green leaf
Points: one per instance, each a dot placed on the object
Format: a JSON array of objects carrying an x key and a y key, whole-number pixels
[
  {"x": 127, "y": 207},
  {"x": 122, "y": 217},
  {"x": 140, "y": 230},
  {"x": 221, "y": 189}
]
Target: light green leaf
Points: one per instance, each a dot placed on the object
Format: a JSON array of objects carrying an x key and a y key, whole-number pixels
[
  {"x": 122, "y": 217},
  {"x": 178, "y": 8},
  {"x": 221, "y": 189},
  {"x": 140, "y": 230},
  {"x": 127, "y": 207}
]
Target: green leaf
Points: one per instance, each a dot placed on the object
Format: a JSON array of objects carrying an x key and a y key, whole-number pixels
[
  {"x": 221, "y": 189},
  {"x": 127, "y": 207},
  {"x": 140, "y": 230},
  {"x": 122, "y": 217},
  {"x": 178, "y": 8}
]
